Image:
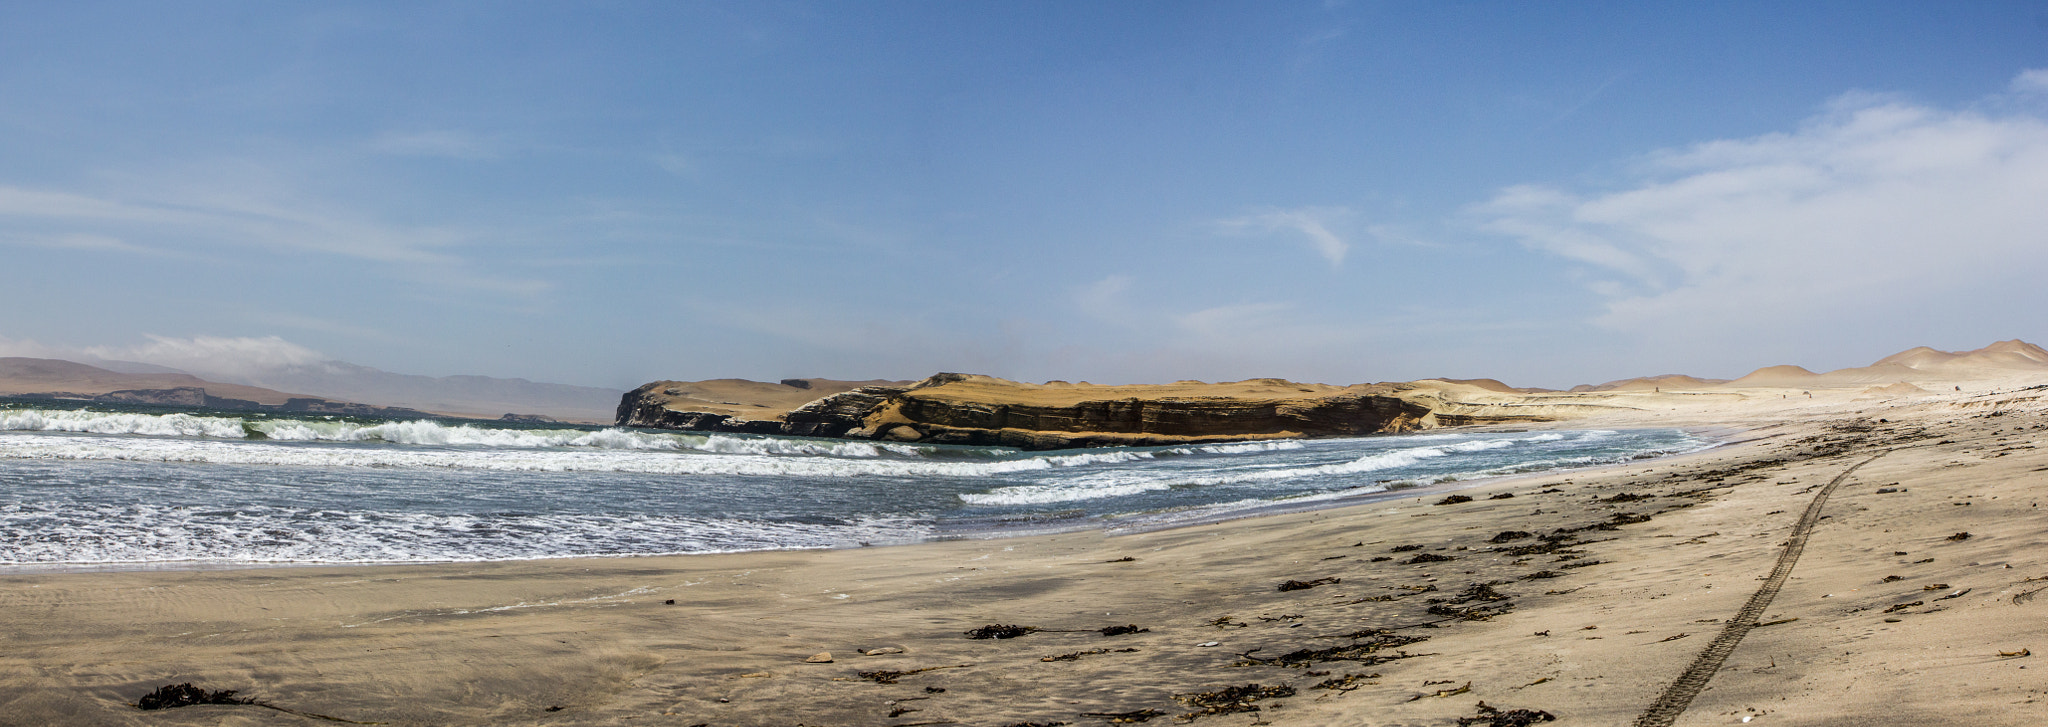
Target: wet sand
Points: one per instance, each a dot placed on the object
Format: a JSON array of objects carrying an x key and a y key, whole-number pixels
[{"x": 1416, "y": 612}]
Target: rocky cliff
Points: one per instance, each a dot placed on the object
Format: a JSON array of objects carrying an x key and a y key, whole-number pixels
[{"x": 982, "y": 410}]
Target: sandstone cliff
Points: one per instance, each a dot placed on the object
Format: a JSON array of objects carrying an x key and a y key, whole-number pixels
[{"x": 982, "y": 410}]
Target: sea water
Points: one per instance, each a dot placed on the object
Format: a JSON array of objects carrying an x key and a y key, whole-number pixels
[{"x": 155, "y": 486}]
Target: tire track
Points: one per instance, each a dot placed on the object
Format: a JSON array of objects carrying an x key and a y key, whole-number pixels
[{"x": 1680, "y": 694}]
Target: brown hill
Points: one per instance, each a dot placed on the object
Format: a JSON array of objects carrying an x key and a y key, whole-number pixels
[
  {"x": 1998, "y": 361},
  {"x": 58, "y": 379},
  {"x": 19, "y": 376}
]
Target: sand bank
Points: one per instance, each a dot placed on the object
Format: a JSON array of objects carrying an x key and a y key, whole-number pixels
[{"x": 1885, "y": 616}]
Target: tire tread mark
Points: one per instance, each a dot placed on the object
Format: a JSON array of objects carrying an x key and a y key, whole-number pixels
[{"x": 1689, "y": 684}]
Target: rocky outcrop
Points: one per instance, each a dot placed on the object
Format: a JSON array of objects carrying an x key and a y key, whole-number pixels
[{"x": 980, "y": 410}]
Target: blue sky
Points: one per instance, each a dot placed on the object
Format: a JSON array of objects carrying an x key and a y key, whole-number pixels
[{"x": 610, "y": 193}]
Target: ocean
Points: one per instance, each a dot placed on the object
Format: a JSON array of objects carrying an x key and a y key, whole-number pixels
[{"x": 156, "y": 487}]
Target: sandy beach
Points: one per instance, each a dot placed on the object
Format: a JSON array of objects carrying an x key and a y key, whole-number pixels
[{"x": 1904, "y": 531}]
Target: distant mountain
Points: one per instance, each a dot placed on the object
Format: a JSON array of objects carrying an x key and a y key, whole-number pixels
[
  {"x": 58, "y": 377},
  {"x": 131, "y": 367},
  {"x": 49, "y": 378},
  {"x": 1666, "y": 381},
  {"x": 1922, "y": 365},
  {"x": 2001, "y": 360},
  {"x": 473, "y": 395}
]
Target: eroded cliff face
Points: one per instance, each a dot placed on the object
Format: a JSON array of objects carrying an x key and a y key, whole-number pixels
[{"x": 981, "y": 410}]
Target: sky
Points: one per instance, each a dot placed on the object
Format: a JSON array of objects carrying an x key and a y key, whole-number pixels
[{"x": 609, "y": 193}]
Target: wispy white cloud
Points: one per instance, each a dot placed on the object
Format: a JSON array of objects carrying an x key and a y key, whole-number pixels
[
  {"x": 79, "y": 241},
  {"x": 28, "y": 348},
  {"x": 234, "y": 357},
  {"x": 236, "y": 210},
  {"x": 1311, "y": 223},
  {"x": 1103, "y": 300},
  {"x": 1874, "y": 200},
  {"x": 220, "y": 357},
  {"x": 221, "y": 217},
  {"x": 2031, "y": 82}
]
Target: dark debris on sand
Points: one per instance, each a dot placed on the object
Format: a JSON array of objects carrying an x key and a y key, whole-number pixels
[
  {"x": 171, "y": 696},
  {"x": 1230, "y": 700},
  {"x": 1489, "y": 716},
  {"x": 1305, "y": 585},
  {"x": 999, "y": 631}
]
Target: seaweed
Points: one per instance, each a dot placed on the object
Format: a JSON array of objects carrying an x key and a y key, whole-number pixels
[
  {"x": 885, "y": 676},
  {"x": 1076, "y": 656},
  {"x": 171, "y": 696},
  {"x": 1404, "y": 548},
  {"x": 1000, "y": 631},
  {"x": 1305, "y": 585},
  {"x": 1125, "y": 629},
  {"x": 1475, "y": 592},
  {"x": 1230, "y": 700},
  {"x": 1474, "y": 613},
  {"x": 1347, "y": 682},
  {"x": 1142, "y": 715},
  {"x": 1558, "y": 542},
  {"x": 1489, "y": 716},
  {"x": 1364, "y": 653},
  {"x": 1959, "y": 537},
  {"x": 1443, "y": 692},
  {"x": 1502, "y": 496},
  {"x": 1428, "y": 558},
  {"x": 1510, "y": 535},
  {"x": 1454, "y": 499}
]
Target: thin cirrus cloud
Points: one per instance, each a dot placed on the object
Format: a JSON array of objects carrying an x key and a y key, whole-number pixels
[
  {"x": 1310, "y": 224},
  {"x": 193, "y": 219},
  {"x": 1874, "y": 199},
  {"x": 217, "y": 355},
  {"x": 225, "y": 218}
]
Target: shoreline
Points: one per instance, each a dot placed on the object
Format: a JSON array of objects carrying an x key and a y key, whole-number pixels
[
  {"x": 1107, "y": 524},
  {"x": 1616, "y": 582}
]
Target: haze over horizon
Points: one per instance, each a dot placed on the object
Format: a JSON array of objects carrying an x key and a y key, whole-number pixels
[{"x": 1135, "y": 192}]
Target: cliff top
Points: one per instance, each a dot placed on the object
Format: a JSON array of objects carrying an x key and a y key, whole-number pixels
[{"x": 989, "y": 389}]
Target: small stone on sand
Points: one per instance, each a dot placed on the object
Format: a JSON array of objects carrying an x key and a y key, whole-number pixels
[{"x": 822, "y": 657}]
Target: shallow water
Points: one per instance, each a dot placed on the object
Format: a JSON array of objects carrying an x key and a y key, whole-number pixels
[{"x": 193, "y": 487}]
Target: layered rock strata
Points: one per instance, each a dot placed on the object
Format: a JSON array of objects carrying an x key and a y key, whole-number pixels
[{"x": 982, "y": 410}]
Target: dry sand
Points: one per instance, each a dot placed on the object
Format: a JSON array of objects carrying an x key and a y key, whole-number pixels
[{"x": 1895, "y": 619}]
